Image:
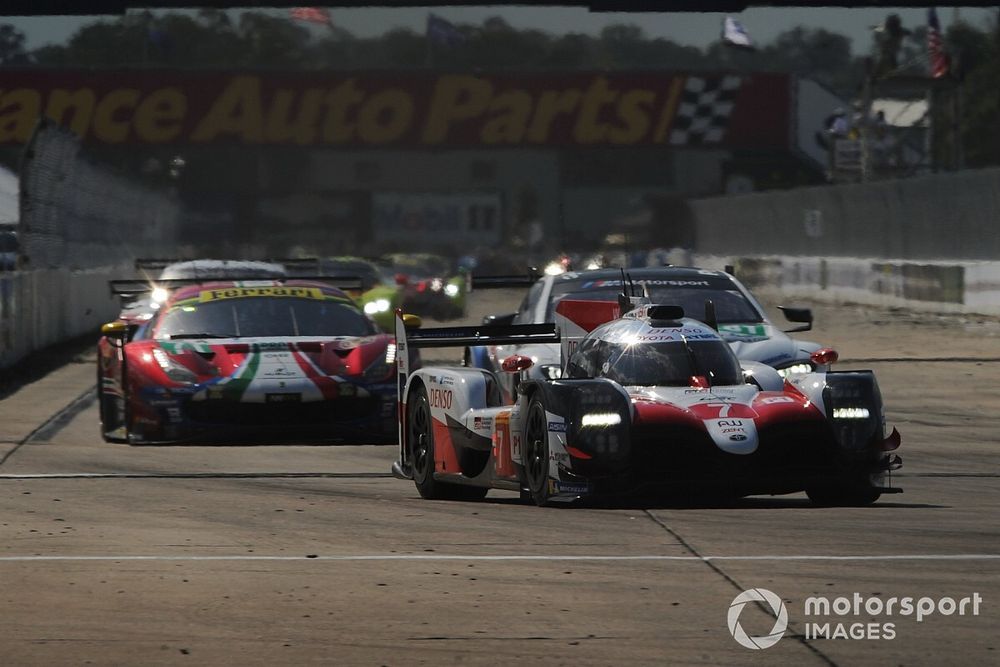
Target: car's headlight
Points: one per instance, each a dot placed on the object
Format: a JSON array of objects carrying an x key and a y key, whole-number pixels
[
  {"x": 600, "y": 419},
  {"x": 451, "y": 290},
  {"x": 377, "y": 306},
  {"x": 173, "y": 370},
  {"x": 796, "y": 368},
  {"x": 851, "y": 413},
  {"x": 159, "y": 295},
  {"x": 436, "y": 285}
]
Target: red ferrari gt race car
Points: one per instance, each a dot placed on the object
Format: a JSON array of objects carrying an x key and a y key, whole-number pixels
[{"x": 286, "y": 359}]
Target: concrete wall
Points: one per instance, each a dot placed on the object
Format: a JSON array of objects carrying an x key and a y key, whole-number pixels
[
  {"x": 958, "y": 287},
  {"x": 44, "y": 307},
  {"x": 944, "y": 216}
]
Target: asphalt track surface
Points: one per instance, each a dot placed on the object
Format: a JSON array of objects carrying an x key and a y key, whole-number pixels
[{"x": 281, "y": 554}]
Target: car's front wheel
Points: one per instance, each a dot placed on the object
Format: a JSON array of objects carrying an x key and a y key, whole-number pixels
[
  {"x": 420, "y": 436},
  {"x": 536, "y": 454}
]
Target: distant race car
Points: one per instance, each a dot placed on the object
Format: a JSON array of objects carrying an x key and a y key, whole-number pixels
[
  {"x": 741, "y": 319},
  {"x": 378, "y": 295},
  {"x": 433, "y": 286},
  {"x": 649, "y": 402},
  {"x": 277, "y": 359}
]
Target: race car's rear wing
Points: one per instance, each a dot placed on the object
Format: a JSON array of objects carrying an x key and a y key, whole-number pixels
[
  {"x": 133, "y": 287},
  {"x": 505, "y": 281},
  {"x": 484, "y": 334},
  {"x": 153, "y": 263},
  {"x": 510, "y": 334}
]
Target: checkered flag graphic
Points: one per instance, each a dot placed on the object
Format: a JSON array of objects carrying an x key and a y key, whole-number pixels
[{"x": 704, "y": 110}]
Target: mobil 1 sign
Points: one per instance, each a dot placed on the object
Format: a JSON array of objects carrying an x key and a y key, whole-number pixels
[{"x": 441, "y": 218}]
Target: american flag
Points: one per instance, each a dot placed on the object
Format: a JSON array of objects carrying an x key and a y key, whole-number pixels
[
  {"x": 311, "y": 14},
  {"x": 935, "y": 47}
]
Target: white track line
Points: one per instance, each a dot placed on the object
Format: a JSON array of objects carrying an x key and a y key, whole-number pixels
[{"x": 514, "y": 557}]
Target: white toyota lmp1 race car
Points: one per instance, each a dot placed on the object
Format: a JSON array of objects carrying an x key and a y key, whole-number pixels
[{"x": 647, "y": 402}]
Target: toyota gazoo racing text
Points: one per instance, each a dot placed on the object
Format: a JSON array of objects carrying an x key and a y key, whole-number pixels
[
  {"x": 649, "y": 401},
  {"x": 741, "y": 319},
  {"x": 276, "y": 359}
]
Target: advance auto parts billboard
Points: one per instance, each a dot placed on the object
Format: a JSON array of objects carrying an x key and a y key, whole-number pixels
[
  {"x": 414, "y": 110},
  {"x": 458, "y": 220}
]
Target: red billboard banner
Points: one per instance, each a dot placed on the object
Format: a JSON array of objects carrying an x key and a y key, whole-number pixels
[{"x": 414, "y": 110}]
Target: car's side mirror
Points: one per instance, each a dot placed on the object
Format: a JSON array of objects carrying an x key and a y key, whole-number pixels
[
  {"x": 116, "y": 329},
  {"x": 500, "y": 320},
  {"x": 411, "y": 321},
  {"x": 798, "y": 315},
  {"x": 118, "y": 332},
  {"x": 516, "y": 363}
]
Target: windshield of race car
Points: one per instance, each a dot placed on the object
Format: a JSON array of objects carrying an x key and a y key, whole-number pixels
[
  {"x": 668, "y": 364},
  {"x": 263, "y": 316},
  {"x": 731, "y": 307}
]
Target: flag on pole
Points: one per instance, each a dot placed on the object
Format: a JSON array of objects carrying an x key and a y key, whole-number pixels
[
  {"x": 940, "y": 63},
  {"x": 443, "y": 32},
  {"x": 734, "y": 34},
  {"x": 311, "y": 15}
]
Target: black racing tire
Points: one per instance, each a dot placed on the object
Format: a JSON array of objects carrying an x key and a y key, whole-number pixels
[
  {"x": 852, "y": 492},
  {"x": 105, "y": 410},
  {"x": 108, "y": 412},
  {"x": 420, "y": 437},
  {"x": 536, "y": 454}
]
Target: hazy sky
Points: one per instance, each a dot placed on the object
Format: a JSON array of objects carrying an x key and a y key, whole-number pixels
[{"x": 697, "y": 29}]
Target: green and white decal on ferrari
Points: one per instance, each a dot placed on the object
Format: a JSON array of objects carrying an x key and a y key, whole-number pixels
[
  {"x": 181, "y": 346},
  {"x": 745, "y": 333},
  {"x": 235, "y": 386},
  {"x": 278, "y": 371}
]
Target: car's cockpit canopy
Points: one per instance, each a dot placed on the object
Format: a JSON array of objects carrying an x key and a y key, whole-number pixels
[{"x": 655, "y": 353}]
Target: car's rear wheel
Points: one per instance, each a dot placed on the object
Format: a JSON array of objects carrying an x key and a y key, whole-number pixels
[
  {"x": 420, "y": 437},
  {"x": 536, "y": 454}
]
